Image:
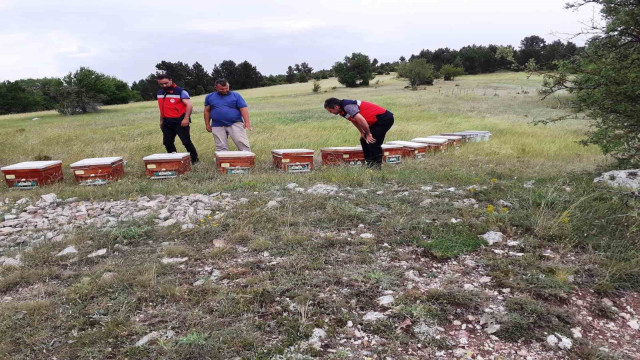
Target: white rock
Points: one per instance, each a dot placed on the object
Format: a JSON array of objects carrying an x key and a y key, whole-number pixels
[
  {"x": 215, "y": 275},
  {"x": 485, "y": 279},
  {"x": 10, "y": 217},
  {"x": 629, "y": 179},
  {"x": 291, "y": 186},
  {"x": 68, "y": 250},
  {"x": 316, "y": 338},
  {"x": 529, "y": 184},
  {"x": 576, "y": 333},
  {"x": 634, "y": 324},
  {"x": 187, "y": 226},
  {"x": 49, "y": 198},
  {"x": 426, "y": 202},
  {"x": 174, "y": 260},
  {"x": 493, "y": 237},
  {"x": 455, "y": 221},
  {"x": 200, "y": 282},
  {"x": 153, "y": 336},
  {"x": 168, "y": 222},
  {"x": 468, "y": 287},
  {"x": 322, "y": 189},
  {"x": 373, "y": 316},
  {"x": 492, "y": 329},
  {"x": 8, "y": 261},
  {"x": 366, "y": 236},
  {"x": 97, "y": 253},
  {"x": 272, "y": 204},
  {"x": 565, "y": 343},
  {"x": 552, "y": 340},
  {"x": 108, "y": 276},
  {"x": 385, "y": 300}
]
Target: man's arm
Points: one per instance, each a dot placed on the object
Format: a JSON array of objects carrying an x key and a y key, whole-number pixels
[
  {"x": 244, "y": 111},
  {"x": 207, "y": 117},
  {"x": 363, "y": 126},
  {"x": 187, "y": 114}
]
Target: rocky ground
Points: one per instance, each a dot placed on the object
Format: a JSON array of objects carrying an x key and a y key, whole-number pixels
[{"x": 386, "y": 322}]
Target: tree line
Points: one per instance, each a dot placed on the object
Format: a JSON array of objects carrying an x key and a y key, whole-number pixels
[{"x": 85, "y": 89}]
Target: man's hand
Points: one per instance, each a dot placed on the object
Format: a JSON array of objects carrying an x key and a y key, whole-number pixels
[
  {"x": 209, "y": 128},
  {"x": 369, "y": 139},
  {"x": 185, "y": 122},
  {"x": 248, "y": 126}
]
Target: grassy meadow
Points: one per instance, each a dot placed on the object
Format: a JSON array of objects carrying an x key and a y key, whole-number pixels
[
  {"x": 322, "y": 262},
  {"x": 291, "y": 116}
]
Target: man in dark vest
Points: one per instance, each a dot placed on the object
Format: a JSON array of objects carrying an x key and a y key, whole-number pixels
[
  {"x": 175, "y": 115},
  {"x": 371, "y": 120}
]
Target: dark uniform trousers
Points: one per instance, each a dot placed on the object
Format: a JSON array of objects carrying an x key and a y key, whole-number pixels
[
  {"x": 170, "y": 128},
  {"x": 373, "y": 152}
]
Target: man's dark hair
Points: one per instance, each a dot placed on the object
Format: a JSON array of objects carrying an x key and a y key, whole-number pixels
[
  {"x": 222, "y": 82},
  {"x": 162, "y": 76},
  {"x": 331, "y": 102}
]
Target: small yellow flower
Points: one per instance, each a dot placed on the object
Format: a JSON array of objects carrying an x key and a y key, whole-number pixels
[
  {"x": 472, "y": 189},
  {"x": 491, "y": 209},
  {"x": 109, "y": 188},
  {"x": 565, "y": 220},
  {"x": 494, "y": 180},
  {"x": 202, "y": 220},
  {"x": 477, "y": 180},
  {"x": 504, "y": 210}
]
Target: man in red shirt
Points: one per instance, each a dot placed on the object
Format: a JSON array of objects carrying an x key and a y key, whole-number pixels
[
  {"x": 371, "y": 120},
  {"x": 175, "y": 115}
]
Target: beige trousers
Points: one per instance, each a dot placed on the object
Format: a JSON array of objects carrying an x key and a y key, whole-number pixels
[{"x": 238, "y": 134}]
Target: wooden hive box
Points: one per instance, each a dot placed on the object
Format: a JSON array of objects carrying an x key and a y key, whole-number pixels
[
  {"x": 166, "y": 166},
  {"x": 235, "y": 162},
  {"x": 293, "y": 160},
  {"x": 453, "y": 140},
  {"x": 98, "y": 171},
  {"x": 351, "y": 155},
  {"x": 465, "y": 136},
  {"x": 413, "y": 149},
  {"x": 439, "y": 145},
  {"x": 392, "y": 154},
  {"x": 481, "y": 134},
  {"x": 31, "y": 174}
]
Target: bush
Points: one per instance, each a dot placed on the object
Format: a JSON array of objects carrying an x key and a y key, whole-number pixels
[
  {"x": 354, "y": 71},
  {"x": 449, "y": 72},
  {"x": 316, "y": 86},
  {"x": 418, "y": 72}
]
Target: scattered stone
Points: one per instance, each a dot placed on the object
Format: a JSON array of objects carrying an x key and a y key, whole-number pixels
[
  {"x": 485, "y": 279},
  {"x": 373, "y": 316},
  {"x": 272, "y": 204},
  {"x": 291, "y": 186},
  {"x": 493, "y": 237},
  {"x": 8, "y": 261},
  {"x": 168, "y": 222},
  {"x": 468, "y": 287},
  {"x": 606, "y": 302},
  {"x": 634, "y": 324},
  {"x": 68, "y": 250},
  {"x": 426, "y": 202},
  {"x": 174, "y": 260},
  {"x": 215, "y": 275},
  {"x": 576, "y": 333},
  {"x": 322, "y": 189},
  {"x": 385, "y": 300},
  {"x": 316, "y": 338},
  {"x": 97, "y": 253},
  {"x": 629, "y": 179},
  {"x": 492, "y": 329},
  {"x": 154, "y": 336},
  {"x": 455, "y": 221},
  {"x": 187, "y": 226},
  {"x": 529, "y": 184},
  {"x": 49, "y": 198},
  {"x": 506, "y": 204},
  {"x": 552, "y": 340},
  {"x": 200, "y": 282},
  {"x": 565, "y": 343},
  {"x": 366, "y": 236}
]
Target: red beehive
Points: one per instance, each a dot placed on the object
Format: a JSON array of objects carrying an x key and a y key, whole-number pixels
[
  {"x": 98, "y": 171},
  {"x": 453, "y": 139},
  {"x": 439, "y": 145},
  {"x": 235, "y": 162},
  {"x": 293, "y": 160},
  {"x": 165, "y": 166},
  {"x": 392, "y": 154},
  {"x": 31, "y": 174},
  {"x": 351, "y": 155},
  {"x": 413, "y": 149}
]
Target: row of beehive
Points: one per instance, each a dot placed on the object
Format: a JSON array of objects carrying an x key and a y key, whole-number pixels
[{"x": 98, "y": 171}]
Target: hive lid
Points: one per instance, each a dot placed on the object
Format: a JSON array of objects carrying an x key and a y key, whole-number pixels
[
  {"x": 96, "y": 161},
  {"x": 459, "y": 133},
  {"x": 343, "y": 148},
  {"x": 408, "y": 143},
  {"x": 290, "y": 151},
  {"x": 450, "y": 137},
  {"x": 430, "y": 140},
  {"x": 477, "y": 132},
  {"x": 392, "y": 146},
  {"x": 173, "y": 156},
  {"x": 31, "y": 165},
  {"x": 235, "y": 154}
]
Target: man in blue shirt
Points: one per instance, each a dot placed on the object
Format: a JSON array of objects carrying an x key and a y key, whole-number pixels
[{"x": 226, "y": 114}]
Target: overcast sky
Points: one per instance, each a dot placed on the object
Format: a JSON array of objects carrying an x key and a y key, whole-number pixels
[{"x": 127, "y": 38}]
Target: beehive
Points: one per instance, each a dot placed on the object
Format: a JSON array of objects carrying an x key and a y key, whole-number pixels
[
  {"x": 351, "y": 155},
  {"x": 98, "y": 171},
  {"x": 31, "y": 174},
  {"x": 235, "y": 162},
  {"x": 165, "y": 166},
  {"x": 466, "y": 137},
  {"x": 413, "y": 149},
  {"x": 481, "y": 135},
  {"x": 439, "y": 145},
  {"x": 453, "y": 140},
  {"x": 293, "y": 160},
  {"x": 392, "y": 154}
]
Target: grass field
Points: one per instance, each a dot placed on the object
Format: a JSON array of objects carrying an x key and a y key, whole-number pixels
[
  {"x": 322, "y": 262},
  {"x": 291, "y": 116}
]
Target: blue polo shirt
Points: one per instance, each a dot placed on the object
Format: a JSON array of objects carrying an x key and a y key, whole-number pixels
[{"x": 225, "y": 110}]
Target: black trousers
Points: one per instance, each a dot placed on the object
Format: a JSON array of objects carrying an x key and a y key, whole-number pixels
[
  {"x": 170, "y": 128},
  {"x": 373, "y": 152}
]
